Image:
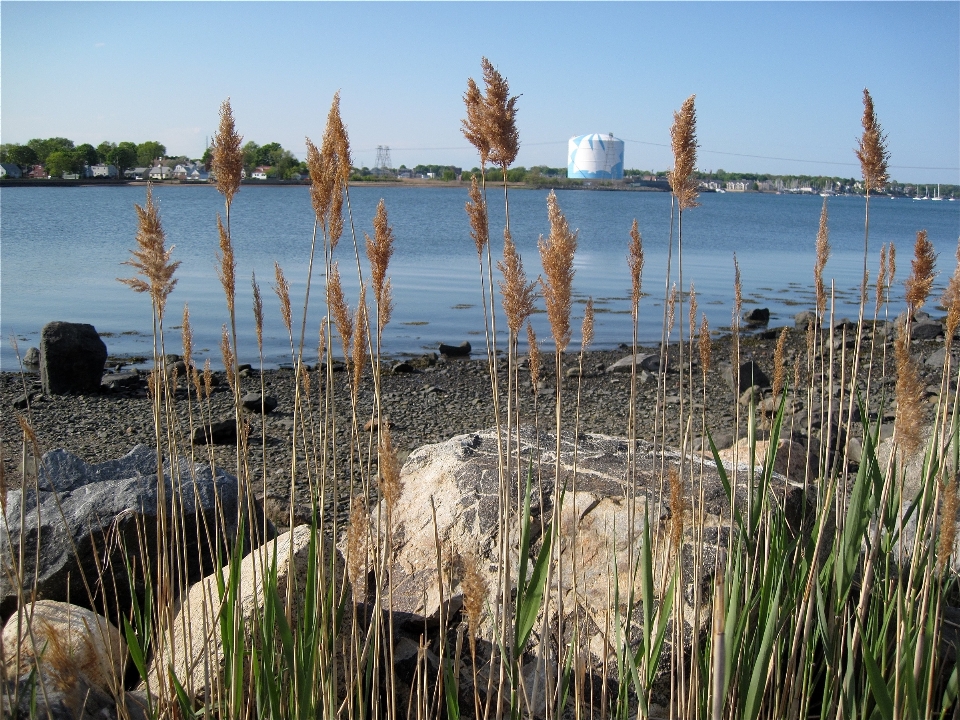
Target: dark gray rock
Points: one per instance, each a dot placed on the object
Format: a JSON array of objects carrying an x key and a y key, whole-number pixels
[
  {"x": 757, "y": 316},
  {"x": 645, "y": 361},
  {"x": 72, "y": 356},
  {"x": 937, "y": 359},
  {"x": 21, "y": 402},
  {"x": 127, "y": 378},
  {"x": 750, "y": 374},
  {"x": 105, "y": 516},
  {"x": 221, "y": 432},
  {"x": 461, "y": 350},
  {"x": 926, "y": 329},
  {"x": 254, "y": 402},
  {"x": 402, "y": 368},
  {"x": 32, "y": 357}
]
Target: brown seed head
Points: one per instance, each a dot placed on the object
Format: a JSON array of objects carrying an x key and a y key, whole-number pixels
[
  {"x": 881, "y": 278},
  {"x": 151, "y": 259},
  {"x": 226, "y": 353},
  {"x": 951, "y": 300},
  {"x": 322, "y": 181},
  {"x": 949, "y": 520},
  {"x": 586, "y": 330},
  {"x": 379, "y": 252},
  {"x": 359, "y": 356},
  {"x": 683, "y": 141},
  {"x": 892, "y": 261},
  {"x": 556, "y": 255},
  {"x": 921, "y": 279},
  {"x": 475, "y": 591},
  {"x": 358, "y": 548},
  {"x": 207, "y": 378},
  {"x": 500, "y": 116},
  {"x": 336, "y": 142},
  {"x": 257, "y": 310},
  {"x": 536, "y": 362},
  {"x": 737, "y": 290},
  {"x": 227, "y": 154},
  {"x": 823, "y": 252},
  {"x": 282, "y": 289},
  {"x": 336, "y": 216},
  {"x": 228, "y": 265},
  {"x": 635, "y": 263},
  {"x": 671, "y": 308},
  {"x": 339, "y": 309},
  {"x": 518, "y": 295},
  {"x": 706, "y": 347},
  {"x": 778, "y": 364},
  {"x": 477, "y": 214},
  {"x": 186, "y": 335},
  {"x": 872, "y": 148},
  {"x": 474, "y": 125},
  {"x": 389, "y": 469},
  {"x": 909, "y": 418}
]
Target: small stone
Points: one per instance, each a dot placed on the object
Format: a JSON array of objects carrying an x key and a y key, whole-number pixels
[
  {"x": 461, "y": 350},
  {"x": 32, "y": 357},
  {"x": 751, "y": 394},
  {"x": 21, "y": 402},
  {"x": 749, "y": 374},
  {"x": 401, "y": 368},
  {"x": 926, "y": 329},
  {"x": 222, "y": 432},
  {"x": 757, "y": 316},
  {"x": 802, "y": 320},
  {"x": 255, "y": 402},
  {"x": 644, "y": 361}
]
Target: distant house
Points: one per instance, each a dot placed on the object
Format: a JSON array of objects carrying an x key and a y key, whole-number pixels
[
  {"x": 161, "y": 172},
  {"x": 71, "y": 176},
  {"x": 10, "y": 170},
  {"x": 737, "y": 186},
  {"x": 139, "y": 173},
  {"x": 182, "y": 170},
  {"x": 198, "y": 174},
  {"x": 104, "y": 171},
  {"x": 260, "y": 172},
  {"x": 37, "y": 172}
]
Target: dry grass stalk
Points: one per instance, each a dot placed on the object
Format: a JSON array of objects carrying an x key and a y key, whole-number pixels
[
  {"x": 881, "y": 278},
  {"x": 207, "y": 378},
  {"x": 151, "y": 259},
  {"x": 359, "y": 355},
  {"x": 257, "y": 310},
  {"x": 951, "y": 300},
  {"x": 683, "y": 142},
  {"x": 3, "y": 484},
  {"x": 556, "y": 255},
  {"x": 677, "y": 509},
  {"x": 500, "y": 117},
  {"x": 282, "y": 289},
  {"x": 921, "y": 279},
  {"x": 186, "y": 335},
  {"x": 389, "y": 469},
  {"x": 227, "y": 154},
  {"x": 948, "y": 527},
  {"x": 823, "y": 253},
  {"x": 693, "y": 311},
  {"x": 671, "y": 308},
  {"x": 909, "y": 419},
  {"x": 358, "y": 548},
  {"x": 635, "y": 263},
  {"x": 778, "y": 364},
  {"x": 226, "y": 353},
  {"x": 477, "y": 214},
  {"x": 518, "y": 294},
  {"x": 227, "y": 268},
  {"x": 706, "y": 347},
  {"x": 474, "y": 125},
  {"x": 536, "y": 361},
  {"x": 872, "y": 148},
  {"x": 586, "y": 329},
  {"x": 338, "y": 306}
]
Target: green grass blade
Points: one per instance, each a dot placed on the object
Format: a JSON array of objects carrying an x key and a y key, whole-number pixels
[
  {"x": 529, "y": 602},
  {"x": 878, "y": 686}
]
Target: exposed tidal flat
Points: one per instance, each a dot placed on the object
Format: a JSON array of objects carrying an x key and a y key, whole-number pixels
[{"x": 63, "y": 249}]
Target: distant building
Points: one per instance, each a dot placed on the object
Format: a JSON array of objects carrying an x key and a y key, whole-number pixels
[
  {"x": 737, "y": 186},
  {"x": 139, "y": 173},
  {"x": 161, "y": 172},
  {"x": 595, "y": 157},
  {"x": 260, "y": 172},
  {"x": 10, "y": 170},
  {"x": 104, "y": 171},
  {"x": 198, "y": 174}
]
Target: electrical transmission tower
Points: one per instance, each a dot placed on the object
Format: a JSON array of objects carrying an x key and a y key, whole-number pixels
[{"x": 383, "y": 157}]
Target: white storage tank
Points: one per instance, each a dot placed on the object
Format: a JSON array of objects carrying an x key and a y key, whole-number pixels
[{"x": 595, "y": 157}]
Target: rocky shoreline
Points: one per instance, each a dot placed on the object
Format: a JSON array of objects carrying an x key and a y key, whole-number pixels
[{"x": 431, "y": 398}]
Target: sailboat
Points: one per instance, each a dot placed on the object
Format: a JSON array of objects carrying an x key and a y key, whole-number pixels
[{"x": 937, "y": 197}]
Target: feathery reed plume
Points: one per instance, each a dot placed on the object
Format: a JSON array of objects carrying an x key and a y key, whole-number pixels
[
  {"x": 257, "y": 310},
  {"x": 151, "y": 259},
  {"x": 500, "y": 117},
  {"x": 379, "y": 252},
  {"x": 737, "y": 289},
  {"x": 921, "y": 279},
  {"x": 227, "y": 154},
  {"x": 778, "y": 364},
  {"x": 195, "y": 379},
  {"x": 671, "y": 308},
  {"x": 683, "y": 142},
  {"x": 321, "y": 343},
  {"x": 475, "y": 591},
  {"x": 635, "y": 263},
  {"x": 389, "y": 469},
  {"x": 358, "y": 548},
  {"x": 477, "y": 214},
  {"x": 322, "y": 181},
  {"x": 881, "y": 278},
  {"x": 282, "y": 289},
  {"x": 872, "y": 148},
  {"x": 359, "y": 355},
  {"x": 518, "y": 294},
  {"x": 586, "y": 330},
  {"x": 228, "y": 265},
  {"x": 693, "y": 311},
  {"x": 909, "y": 418},
  {"x": 186, "y": 335},
  {"x": 336, "y": 215},
  {"x": 892, "y": 264},
  {"x": 677, "y": 508},
  {"x": 474, "y": 125},
  {"x": 951, "y": 300},
  {"x": 706, "y": 347},
  {"x": 948, "y": 527},
  {"x": 556, "y": 255},
  {"x": 823, "y": 253},
  {"x": 339, "y": 308},
  {"x": 339, "y": 143},
  {"x": 536, "y": 362},
  {"x": 226, "y": 353},
  {"x": 207, "y": 378}
]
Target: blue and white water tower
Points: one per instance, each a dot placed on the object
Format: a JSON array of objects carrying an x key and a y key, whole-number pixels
[{"x": 595, "y": 157}]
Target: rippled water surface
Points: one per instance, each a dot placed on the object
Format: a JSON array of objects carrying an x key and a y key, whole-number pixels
[{"x": 62, "y": 250}]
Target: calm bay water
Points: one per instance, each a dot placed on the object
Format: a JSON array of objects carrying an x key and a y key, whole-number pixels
[{"x": 61, "y": 251}]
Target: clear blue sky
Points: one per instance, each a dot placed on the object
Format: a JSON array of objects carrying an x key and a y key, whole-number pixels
[{"x": 779, "y": 80}]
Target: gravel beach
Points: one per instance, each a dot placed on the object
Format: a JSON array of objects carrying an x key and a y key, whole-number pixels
[{"x": 430, "y": 398}]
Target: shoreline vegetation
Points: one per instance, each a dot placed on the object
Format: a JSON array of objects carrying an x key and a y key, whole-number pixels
[{"x": 771, "y": 532}]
